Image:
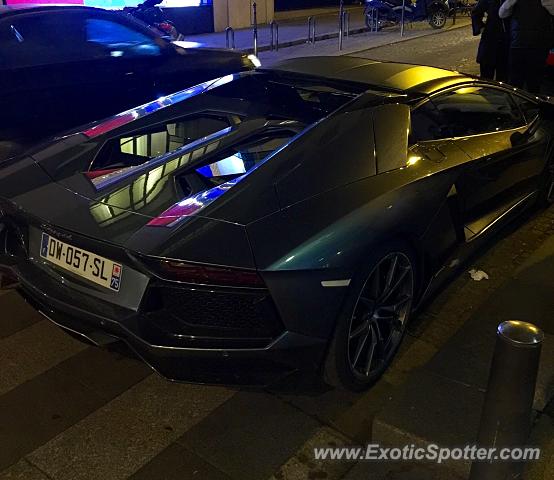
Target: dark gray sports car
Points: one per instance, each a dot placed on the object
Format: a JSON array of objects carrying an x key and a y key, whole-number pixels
[{"x": 271, "y": 221}]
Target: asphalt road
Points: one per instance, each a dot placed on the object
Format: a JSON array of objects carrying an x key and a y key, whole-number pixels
[
  {"x": 454, "y": 50},
  {"x": 72, "y": 412}
]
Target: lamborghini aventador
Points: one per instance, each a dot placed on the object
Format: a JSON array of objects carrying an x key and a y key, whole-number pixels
[{"x": 271, "y": 221}]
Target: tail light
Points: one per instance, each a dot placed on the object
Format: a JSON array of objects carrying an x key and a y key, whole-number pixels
[
  {"x": 206, "y": 275},
  {"x": 165, "y": 27}
]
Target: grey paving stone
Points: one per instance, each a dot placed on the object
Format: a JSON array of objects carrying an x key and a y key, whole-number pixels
[
  {"x": 413, "y": 354},
  {"x": 251, "y": 435},
  {"x": 431, "y": 409},
  {"x": 356, "y": 422},
  {"x": 118, "y": 439},
  {"x": 542, "y": 435},
  {"x": 474, "y": 342},
  {"x": 40, "y": 409},
  {"x": 107, "y": 373},
  {"x": 544, "y": 393},
  {"x": 400, "y": 471},
  {"x": 32, "y": 351},
  {"x": 16, "y": 314},
  {"x": 178, "y": 463},
  {"x": 326, "y": 404},
  {"x": 303, "y": 464},
  {"x": 22, "y": 470}
]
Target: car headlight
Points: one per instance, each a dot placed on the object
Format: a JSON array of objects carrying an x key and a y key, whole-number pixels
[{"x": 254, "y": 60}]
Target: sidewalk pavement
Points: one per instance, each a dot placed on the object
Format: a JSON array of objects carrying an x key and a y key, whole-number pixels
[
  {"x": 293, "y": 36},
  {"x": 291, "y": 32},
  {"x": 359, "y": 42}
]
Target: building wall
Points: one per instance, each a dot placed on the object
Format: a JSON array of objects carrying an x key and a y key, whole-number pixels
[{"x": 238, "y": 13}]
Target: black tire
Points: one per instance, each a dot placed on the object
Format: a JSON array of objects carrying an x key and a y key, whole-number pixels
[
  {"x": 437, "y": 19},
  {"x": 359, "y": 353}
]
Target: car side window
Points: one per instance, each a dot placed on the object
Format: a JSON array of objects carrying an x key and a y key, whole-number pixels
[
  {"x": 63, "y": 37},
  {"x": 529, "y": 108},
  {"x": 464, "y": 112},
  {"x": 39, "y": 39},
  {"x": 119, "y": 40}
]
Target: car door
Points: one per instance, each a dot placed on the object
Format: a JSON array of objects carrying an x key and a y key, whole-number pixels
[{"x": 505, "y": 155}]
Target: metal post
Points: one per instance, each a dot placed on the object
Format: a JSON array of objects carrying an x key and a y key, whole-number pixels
[
  {"x": 402, "y": 20},
  {"x": 346, "y": 23},
  {"x": 311, "y": 31},
  {"x": 341, "y": 31},
  {"x": 255, "y": 24},
  {"x": 230, "y": 37},
  {"x": 373, "y": 15},
  {"x": 274, "y": 30},
  {"x": 506, "y": 415}
]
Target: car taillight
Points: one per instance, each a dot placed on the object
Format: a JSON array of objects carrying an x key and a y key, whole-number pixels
[
  {"x": 166, "y": 27},
  {"x": 207, "y": 275}
]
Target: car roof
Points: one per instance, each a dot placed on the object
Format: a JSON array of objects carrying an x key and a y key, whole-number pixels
[
  {"x": 397, "y": 77},
  {"x": 25, "y": 8}
]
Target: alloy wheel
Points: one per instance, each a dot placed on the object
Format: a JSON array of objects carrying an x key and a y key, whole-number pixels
[
  {"x": 380, "y": 315},
  {"x": 438, "y": 20}
]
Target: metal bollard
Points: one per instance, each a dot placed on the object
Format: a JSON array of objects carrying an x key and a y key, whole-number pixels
[
  {"x": 402, "y": 19},
  {"x": 373, "y": 15},
  {"x": 311, "y": 31},
  {"x": 506, "y": 415},
  {"x": 274, "y": 30},
  {"x": 255, "y": 24},
  {"x": 341, "y": 26},
  {"x": 346, "y": 23},
  {"x": 230, "y": 37}
]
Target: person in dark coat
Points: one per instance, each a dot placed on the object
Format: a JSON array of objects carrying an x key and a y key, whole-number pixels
[
  {"x": 531, "y": 32},
  {"x": 494, "y": 46}
]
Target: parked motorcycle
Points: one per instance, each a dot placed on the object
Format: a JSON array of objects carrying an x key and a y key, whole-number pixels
[
  {"x": 150, "y": 13},
  {"x": 436, "y": 12}
]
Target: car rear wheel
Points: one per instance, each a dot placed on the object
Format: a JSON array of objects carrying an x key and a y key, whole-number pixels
[
  {"x": 437, "y": 19},
  {"x": 370, "y": 330}
]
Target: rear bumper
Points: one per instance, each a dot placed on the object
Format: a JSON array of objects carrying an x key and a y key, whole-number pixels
[{"x": 101, "y": 324}]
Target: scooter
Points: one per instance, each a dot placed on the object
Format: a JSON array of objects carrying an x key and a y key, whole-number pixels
[
  {"x": 436, "y": 12},
  {"x": 152, "y": 15}
]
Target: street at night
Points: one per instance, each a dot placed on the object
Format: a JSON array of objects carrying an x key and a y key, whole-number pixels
[{"x": 70, "y": 410}]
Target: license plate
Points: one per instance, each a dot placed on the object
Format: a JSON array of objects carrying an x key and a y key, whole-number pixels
[{"x": 83, "y": 263}]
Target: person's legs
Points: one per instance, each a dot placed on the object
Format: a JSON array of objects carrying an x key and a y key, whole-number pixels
[
  {"x": 503, "y": 64},
  {"x": 487, "y": 71},
  {"x": 536, "y": 61},
  {"x": 518, "y": 66}
]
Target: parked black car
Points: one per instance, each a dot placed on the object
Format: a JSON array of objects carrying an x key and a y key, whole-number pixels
[
  {"x": 64, "y": 66},
  {"x": 436, "y": 12},
  {"x": 273, "y": 220}
]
